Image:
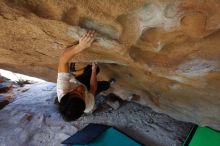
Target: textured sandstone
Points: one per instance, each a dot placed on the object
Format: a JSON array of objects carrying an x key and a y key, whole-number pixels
[{"x": 164, "y": 54}]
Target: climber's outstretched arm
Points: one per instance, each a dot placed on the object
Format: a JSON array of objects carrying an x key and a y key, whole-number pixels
[{"x": 84, "y": 42}]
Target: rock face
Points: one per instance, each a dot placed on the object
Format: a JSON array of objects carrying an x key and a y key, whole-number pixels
[{"x": 164, "y": 54}]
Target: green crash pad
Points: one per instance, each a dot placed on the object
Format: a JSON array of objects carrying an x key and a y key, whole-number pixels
[
  {"x": 112, "y": 137},
  {"x": 204, "y": 136}
]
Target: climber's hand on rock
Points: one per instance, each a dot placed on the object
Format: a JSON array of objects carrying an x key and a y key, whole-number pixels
[
  {"x": 86, "y": 40},
  {"x": 94, "y": 66}
]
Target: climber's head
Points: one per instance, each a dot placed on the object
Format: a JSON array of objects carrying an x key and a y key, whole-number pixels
[{"x": 72, "y": 105}]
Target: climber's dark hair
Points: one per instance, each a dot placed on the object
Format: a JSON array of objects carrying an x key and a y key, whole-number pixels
[{"x": 71, "y": 107}]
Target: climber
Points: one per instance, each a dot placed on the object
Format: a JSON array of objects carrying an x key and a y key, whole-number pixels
[{"x": 76, "y": 91}]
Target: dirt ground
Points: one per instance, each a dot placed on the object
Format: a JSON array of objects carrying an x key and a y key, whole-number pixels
[{"x": 32, "y": 119}]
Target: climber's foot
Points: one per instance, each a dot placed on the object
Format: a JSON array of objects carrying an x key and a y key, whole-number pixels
[
  {"x": 113, "y": 101},
  {"x": 111, "y": 81}
]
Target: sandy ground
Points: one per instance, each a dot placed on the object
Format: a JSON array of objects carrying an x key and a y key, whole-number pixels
[{"x": 33, "y": 120}]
